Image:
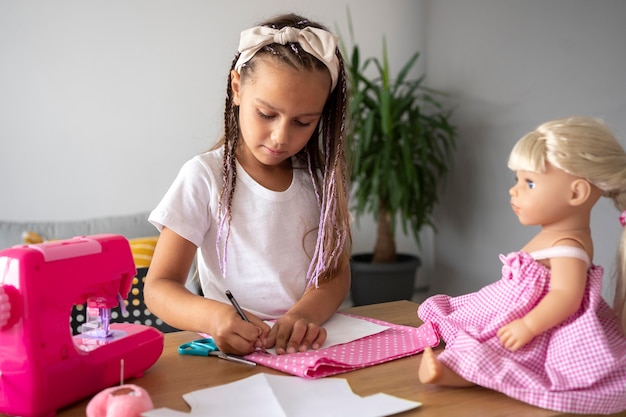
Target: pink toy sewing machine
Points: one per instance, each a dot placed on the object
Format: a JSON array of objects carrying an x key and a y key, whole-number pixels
[{"x": 42, "y": 366}]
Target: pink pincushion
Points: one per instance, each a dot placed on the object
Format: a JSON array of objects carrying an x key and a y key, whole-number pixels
[{"x": 120, "y": 401}]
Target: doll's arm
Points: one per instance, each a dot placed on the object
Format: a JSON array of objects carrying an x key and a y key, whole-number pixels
[{"x": 567, "y": 287}]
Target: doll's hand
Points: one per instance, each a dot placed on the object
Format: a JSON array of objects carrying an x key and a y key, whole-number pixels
[
  {"x": 292, "y": 333},
  {"x": 515, "y": 335}
]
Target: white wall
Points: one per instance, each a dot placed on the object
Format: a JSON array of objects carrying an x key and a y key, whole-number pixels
[
  {"x": 102, "y": 101},
  {"x": 511, "y": 65}
]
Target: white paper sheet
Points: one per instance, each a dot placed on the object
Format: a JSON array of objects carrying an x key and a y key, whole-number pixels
[{"x": 288, "y": 396}]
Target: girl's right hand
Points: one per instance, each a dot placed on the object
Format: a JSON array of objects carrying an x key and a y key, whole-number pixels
[{"x": 236, "y": 336}]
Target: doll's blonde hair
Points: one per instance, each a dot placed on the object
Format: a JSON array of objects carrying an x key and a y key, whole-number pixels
[{"x": 584, "y": 147}]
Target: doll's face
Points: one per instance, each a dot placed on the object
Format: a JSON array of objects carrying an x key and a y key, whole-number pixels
[{"x": 542, "y": 199}]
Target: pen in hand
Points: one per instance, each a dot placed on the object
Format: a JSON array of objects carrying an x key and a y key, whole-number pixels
[
  {"x": 238, "y": 309},
  {"x": 236, "y": 305}
]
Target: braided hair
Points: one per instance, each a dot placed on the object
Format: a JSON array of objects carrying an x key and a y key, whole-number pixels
[{"x": 324, "y": 156}]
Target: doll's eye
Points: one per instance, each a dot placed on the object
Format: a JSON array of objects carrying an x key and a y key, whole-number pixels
[{"x": 531, "y": 184}]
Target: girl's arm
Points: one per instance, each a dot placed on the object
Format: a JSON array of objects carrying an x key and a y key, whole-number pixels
[
  {"x": 567, "y": 287},
  {"x": 301, "y": 327},
  {"x": 167, "y": 297}
]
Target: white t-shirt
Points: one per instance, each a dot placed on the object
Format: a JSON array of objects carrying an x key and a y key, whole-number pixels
[{"x": 272, "y": 234}]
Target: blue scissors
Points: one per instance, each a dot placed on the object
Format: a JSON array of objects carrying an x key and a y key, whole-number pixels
[{"x": 207, "y": 347}]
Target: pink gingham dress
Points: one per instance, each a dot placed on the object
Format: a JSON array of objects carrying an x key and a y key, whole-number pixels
[{"x": 578, "y": 366}]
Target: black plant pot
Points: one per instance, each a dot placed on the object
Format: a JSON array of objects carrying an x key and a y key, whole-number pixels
[{"x": 379, "y": 283}]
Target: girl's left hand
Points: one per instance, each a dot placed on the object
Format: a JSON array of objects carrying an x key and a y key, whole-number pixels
[
  {"x": 515, "y": 335},
  {"x": 293, "y": 333}
]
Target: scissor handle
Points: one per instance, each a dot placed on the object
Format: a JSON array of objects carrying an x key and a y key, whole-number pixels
[
  {"x": 207, "y": 347},
  {"x": 190, "y": 349},
  {"x": 201, "y": 347}
]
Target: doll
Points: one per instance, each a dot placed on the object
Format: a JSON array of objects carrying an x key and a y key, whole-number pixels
[{"x": 543, "y": 333}]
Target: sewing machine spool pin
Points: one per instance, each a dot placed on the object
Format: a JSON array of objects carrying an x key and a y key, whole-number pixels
[{"x": 98, "y": 319}]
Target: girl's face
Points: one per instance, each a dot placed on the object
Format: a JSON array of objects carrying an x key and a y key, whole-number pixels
[
  {"x": 279, "y": 108},
  {"x": 542, "y": 199}
]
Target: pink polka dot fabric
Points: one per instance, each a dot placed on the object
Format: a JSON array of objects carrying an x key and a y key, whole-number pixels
[{"x": 396, "y": 342}]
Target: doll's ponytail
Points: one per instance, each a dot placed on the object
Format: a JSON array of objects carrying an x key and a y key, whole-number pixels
[{"x": 619, "y": 301}]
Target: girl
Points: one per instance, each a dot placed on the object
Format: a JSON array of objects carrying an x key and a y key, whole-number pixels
[
  {"x": 543, "y": 334},
  {"x": 266, "y": 211}
]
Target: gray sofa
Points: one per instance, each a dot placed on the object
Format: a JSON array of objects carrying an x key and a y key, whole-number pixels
[{"x": 130, "y": 226}]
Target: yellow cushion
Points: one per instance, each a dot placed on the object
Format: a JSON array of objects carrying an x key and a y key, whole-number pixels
[
  {"x": 29, "y": 237},
  {"x": 143, "y": 249}
]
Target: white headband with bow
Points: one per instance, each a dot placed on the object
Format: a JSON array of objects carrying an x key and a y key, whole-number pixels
[{"x": 318, "y": 42}]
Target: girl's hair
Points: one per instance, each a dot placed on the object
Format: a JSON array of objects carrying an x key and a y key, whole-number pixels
[
  {"x": 324, "y": 154},
  {"x": 584, "y": 147}
]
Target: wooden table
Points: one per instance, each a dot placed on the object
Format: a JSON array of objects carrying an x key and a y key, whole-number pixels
[{"x": 174, "y": 375}]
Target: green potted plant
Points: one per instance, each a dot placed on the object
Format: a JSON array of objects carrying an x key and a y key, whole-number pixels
[{"x": 403, "y": 150}]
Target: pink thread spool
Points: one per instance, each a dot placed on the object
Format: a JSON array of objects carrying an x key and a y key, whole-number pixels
[{"x": 121, "y": 401}]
